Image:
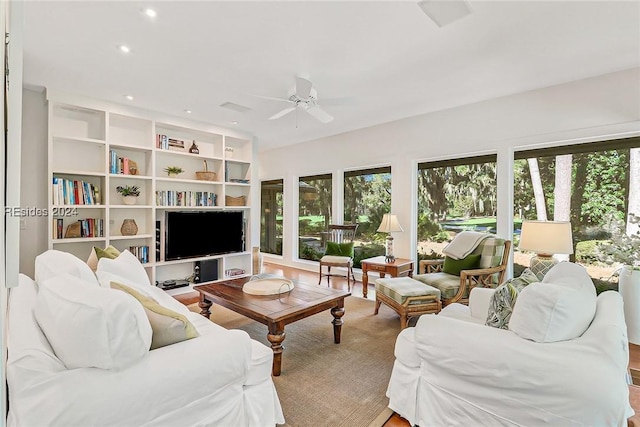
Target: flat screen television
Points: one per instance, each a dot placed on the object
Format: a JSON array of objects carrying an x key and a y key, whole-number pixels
[{"x": 192, "y": 234}]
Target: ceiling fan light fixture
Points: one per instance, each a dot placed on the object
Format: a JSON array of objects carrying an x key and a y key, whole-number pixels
[{"x": 444, "y": 12}]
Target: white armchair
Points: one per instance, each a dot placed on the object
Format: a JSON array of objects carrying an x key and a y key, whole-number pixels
[{"x": 451, "y": 369}]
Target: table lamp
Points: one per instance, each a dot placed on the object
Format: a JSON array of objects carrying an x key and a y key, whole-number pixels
[
  {"x": 546, "y": 238},
  {"x": 389, "y": 225}
]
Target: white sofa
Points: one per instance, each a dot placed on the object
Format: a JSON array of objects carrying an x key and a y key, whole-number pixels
[
  {"x": 451, "y": 369},
  {"x": 220, "y": 378}
]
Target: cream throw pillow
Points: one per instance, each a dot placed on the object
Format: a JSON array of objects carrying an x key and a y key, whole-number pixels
[
  {"x": 168, "y": 326},
  {"x": 99, "y": 253},
  {"x": 90, "y": 326},
  {"x": 125, "y": 265},
  {"x": 53, "y": 263},
  {"x": 559, "y": 308}
]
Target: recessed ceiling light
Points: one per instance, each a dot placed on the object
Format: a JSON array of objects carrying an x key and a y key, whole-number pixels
[
  {"x": 129, "y": 97},
  {"x": 150, "y": 12},
  {"x": 124, "y": 49},
  {"x": 188, "y": 111},
  {"x": 235, "y": 122}
]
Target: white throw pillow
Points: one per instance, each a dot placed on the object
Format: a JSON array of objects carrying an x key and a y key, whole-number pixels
[
  {"x": 54, "y": 263},
  {"x": 90, "y": 326},
  {"x": 125, "y": 265},
  {"x": 559, "y": 308}
]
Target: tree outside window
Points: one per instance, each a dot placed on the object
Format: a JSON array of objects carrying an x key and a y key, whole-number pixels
[
  {"x": 454, "y": 195},
  {"x": 314, "y": 215},
  {"x": 367, "y": 197},
  {"x": 596, "y": 187},
  {"x": 271, "y": 216}
]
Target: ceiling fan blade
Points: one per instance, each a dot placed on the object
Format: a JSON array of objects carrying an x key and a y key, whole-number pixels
[
  {"x": 320, "y": 114},
  {"x": 269, "y": 97},
  {"x": 303, "y": 88},
  {"x": 282, "y": 113}
]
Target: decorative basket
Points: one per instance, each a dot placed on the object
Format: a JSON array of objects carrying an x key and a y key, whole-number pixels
[
  {"x": 205, "y": 175},
  {"x": 235, "y": 201}
]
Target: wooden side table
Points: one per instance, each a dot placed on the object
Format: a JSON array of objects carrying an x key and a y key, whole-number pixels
[{"x": 399, "y": 267}]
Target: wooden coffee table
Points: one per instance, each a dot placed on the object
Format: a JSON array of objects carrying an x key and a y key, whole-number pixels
[{"x": 273, "y": 310}]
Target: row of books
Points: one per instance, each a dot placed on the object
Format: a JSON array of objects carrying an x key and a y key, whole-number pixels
[
  {"x": 74, "y": 192},
  {"x": 163, "y": 142},
  {"x": 186, "y": 198},
  {"x": 121, "y": 165},
  {"x": 140, "y": 252},
  {"x": 88, "y": 227}
]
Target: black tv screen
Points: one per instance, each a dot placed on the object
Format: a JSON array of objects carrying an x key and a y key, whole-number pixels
[{"x": 202, "y": 233}]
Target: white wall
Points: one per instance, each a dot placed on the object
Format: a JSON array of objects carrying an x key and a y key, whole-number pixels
[
  {"x": 33, "y": 177},
  {"x": 603, "y": 107}
]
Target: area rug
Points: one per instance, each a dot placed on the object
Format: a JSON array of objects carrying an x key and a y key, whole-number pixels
[{"x": 327, "y": 384}]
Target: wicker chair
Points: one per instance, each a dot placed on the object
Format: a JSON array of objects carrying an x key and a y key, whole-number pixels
[
  {"x": 339, "y": 234},
  {"x": 494, "y": 254}
]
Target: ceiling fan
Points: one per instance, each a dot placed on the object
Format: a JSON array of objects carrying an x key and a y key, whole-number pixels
[{"x": 303, "y": 97}]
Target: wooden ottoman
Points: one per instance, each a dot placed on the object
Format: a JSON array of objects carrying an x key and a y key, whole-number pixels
[{"x": 407, "y": 297}]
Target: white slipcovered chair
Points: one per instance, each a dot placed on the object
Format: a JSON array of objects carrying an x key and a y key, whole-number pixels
[{"x": 563, "y": 360}]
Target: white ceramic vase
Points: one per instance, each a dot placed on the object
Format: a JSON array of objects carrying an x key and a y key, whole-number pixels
[
  {"x": 629, "y": 288},
  {"x": 129, "y": 200}
]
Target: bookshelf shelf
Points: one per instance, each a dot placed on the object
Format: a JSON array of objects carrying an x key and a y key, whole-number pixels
[
  {"x": 58, "y": 138},
  {"x": 130, "y": 207},
  {"x": 136, "y": 236},
  {"x": 188, "y": 181},
  {"x": 179, "y": 153},
  {"x": 89, "y": 140},
  {"x": 79, "y": 240},
  {"x": 125, "y": 176},
  {"x": 78, "y": 172}
]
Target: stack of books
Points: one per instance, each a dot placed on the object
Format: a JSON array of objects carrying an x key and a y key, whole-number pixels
[
  {"x": 74, "y": 192},
  {"x": 140, "y": 252}
]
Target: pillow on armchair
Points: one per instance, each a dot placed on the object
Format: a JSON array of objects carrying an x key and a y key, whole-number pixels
[
  {"x": 455, "y": 266},
  {"x": 339, "y": 249},
  {"x": 504, "y": 299},
  {"x": 559, "y": 308}
]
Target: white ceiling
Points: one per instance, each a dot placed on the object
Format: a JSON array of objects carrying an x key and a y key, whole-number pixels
[{"x": 388, "y": 58}]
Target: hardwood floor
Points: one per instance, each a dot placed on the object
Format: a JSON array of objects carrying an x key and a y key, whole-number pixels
[
  {"x": 396, "y": 420},
  {"x": 300, "y": 275}
]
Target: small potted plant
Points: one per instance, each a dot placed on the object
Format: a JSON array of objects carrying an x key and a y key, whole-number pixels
[
  {"x": 173, "y": 171},
  {"x": 129, "y": 193}
]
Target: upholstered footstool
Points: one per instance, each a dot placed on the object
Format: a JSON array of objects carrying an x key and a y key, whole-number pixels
[{"x": 407, "y": 297}]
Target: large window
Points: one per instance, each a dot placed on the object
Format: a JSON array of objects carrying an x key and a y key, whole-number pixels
[
  {"x": 314, "y": 215},
  {"x": 367, "y": 196},
  {"x": 454, "y": 195},
  {"x": 596, "y": 187},
  {"x": 271, "y": 198}
]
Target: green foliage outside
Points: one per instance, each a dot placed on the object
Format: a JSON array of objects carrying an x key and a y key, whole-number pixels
[{"x": 456, "y": 198}]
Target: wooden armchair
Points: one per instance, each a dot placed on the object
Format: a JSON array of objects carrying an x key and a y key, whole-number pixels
[
  {"x": 494, "y": 255},
  {"x": 339, "y": 251}
]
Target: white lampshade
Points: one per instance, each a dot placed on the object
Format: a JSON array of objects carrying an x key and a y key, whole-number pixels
[
  {"x": 389, "y": 224},
  {"x": 546, "y": 237}
]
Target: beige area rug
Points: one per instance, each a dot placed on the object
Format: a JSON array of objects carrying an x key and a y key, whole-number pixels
[{"x": 327, "y": 384}]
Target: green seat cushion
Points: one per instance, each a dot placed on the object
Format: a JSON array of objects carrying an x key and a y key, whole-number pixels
[
  {"x": 401, "y": 288},
  {"x": 448, "y": 284},
  {"x": 504, "y": 299},
  {"x": 455, "y": 266},
  {"x": 339, "y": 249}
]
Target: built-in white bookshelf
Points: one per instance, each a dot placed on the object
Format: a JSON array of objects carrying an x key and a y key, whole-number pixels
[{"x": 93, "y": 149}]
